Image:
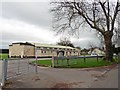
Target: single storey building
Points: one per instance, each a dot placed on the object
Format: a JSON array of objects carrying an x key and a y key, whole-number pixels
[{"x": 40, "y": 50}]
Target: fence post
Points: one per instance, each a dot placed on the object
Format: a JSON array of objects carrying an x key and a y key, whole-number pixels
[
  {"x": 52, "y": 61},
  {"x": 62, "y": 61},
  {"x": 4, "y": 71},
  {"x": 117, "y": 57},
  {"x": 28, "y": 64},
  {"x": 36, "y": 66},
  {"x": 57, "y": 61},
  {"x": 97, "y": 57},
  {"x": 84, "y": 58},
  {"x": 67, "y": 60}
]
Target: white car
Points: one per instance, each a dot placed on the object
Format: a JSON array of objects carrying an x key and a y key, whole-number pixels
[
  {"x": 93, "y": 54},
  {"x": 96, "y": 54}
]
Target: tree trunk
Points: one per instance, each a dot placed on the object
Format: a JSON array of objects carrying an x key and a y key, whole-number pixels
[{"x": 108, "y": 46}]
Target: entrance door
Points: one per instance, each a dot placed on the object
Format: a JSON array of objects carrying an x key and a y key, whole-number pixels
[{"x": 61, "y": 53}]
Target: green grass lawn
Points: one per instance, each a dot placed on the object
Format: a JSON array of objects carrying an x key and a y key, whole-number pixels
[
  {"x": 75, "y": 63},
  {"x": 117, "y": 59},
  {"x": 3, "y": 56}
]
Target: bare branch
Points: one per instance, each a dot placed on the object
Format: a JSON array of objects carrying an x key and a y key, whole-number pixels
[{"x": 115, "y": 14}]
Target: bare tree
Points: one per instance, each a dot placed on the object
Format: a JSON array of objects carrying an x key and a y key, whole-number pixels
[
  {"x": 65, "y": 42},
  {"x": 91, "y": 45},
  {"x": 100, "y": 15},
  {"x": 116, "y": 37}
]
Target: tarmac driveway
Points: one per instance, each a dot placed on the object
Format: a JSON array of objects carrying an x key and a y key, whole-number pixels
[{"x": 48, "y": 77}]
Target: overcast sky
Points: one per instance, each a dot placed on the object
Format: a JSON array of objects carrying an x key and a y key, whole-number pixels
[{"x": 31, "y": 21}]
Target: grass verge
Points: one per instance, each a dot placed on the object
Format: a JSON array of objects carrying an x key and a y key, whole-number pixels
[
  {"x": 3, "y": 56},
  {"x": 75, "y": 63}
]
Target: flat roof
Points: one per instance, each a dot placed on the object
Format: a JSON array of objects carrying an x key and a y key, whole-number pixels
[
  {"x": 44, "y": 45},
  {"x": 21, "y": 43},
  {"x": 52, "y": 46}
]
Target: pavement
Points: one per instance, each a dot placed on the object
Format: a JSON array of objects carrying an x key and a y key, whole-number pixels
[{"x": 48, "y": 77}]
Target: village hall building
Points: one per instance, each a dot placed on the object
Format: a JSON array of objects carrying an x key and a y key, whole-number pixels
[{"x": 23, "y": 50}]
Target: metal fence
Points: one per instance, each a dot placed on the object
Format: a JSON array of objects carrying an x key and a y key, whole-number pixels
[
  {"x": 20, "y": 67},
  {"x": 70, "y": 60},
  {"x": 0, "y": 72},
  {"x": 3, "y": 71},
  {"x": 14, "y": 67}
]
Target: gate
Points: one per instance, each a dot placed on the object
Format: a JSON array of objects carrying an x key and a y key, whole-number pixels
[
  {"x": 20, "y": 66},
  {"x": 14, "y": 67}
]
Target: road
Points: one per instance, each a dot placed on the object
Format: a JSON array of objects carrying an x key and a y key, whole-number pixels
[{"x": 48, "y": 77}]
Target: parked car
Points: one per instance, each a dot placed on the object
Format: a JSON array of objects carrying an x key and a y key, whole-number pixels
[{"x": 94, "y": 54}]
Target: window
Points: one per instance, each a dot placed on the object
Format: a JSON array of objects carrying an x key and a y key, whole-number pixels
[
  {"x": 44, "y": 51},
  {"x": 41, "y": 51},
  {"x": 50, "y": 48}
]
